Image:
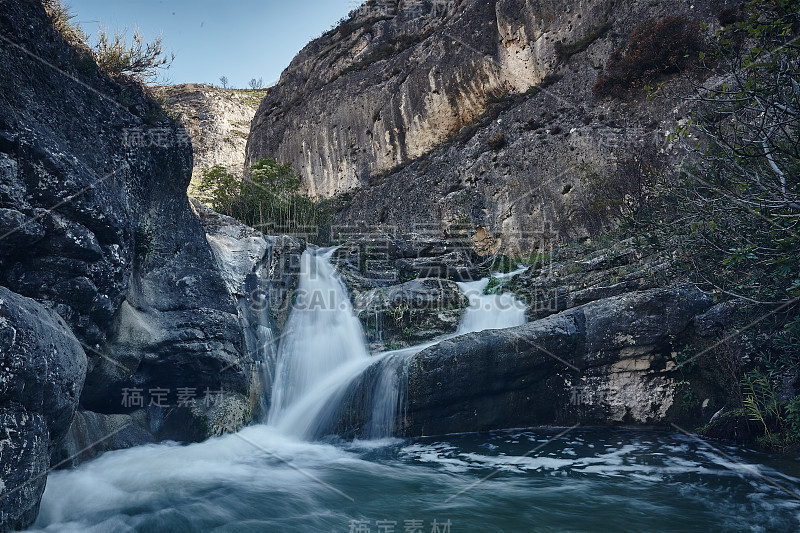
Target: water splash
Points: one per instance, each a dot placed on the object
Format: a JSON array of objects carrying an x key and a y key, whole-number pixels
[
  {"x": 490, "y": 311},
  {"x": 324, "y": 371},
  {"x": 323, "y": 345}
]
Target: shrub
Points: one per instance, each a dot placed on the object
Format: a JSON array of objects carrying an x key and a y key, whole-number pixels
[
  {"x": 63, "y": 22},
  {"x": 139, "y": 59},
  {"x": 144, "y": 240},
  {"x": 654, "y": 49},
  {"x": 268, "y": 199}
]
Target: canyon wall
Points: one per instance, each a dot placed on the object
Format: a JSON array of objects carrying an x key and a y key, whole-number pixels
[{"x": 467, "y": 116}]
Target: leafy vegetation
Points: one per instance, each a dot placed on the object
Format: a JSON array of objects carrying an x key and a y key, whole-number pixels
[
  {"x": 738, "y": 206},
  {"x": 63, "y": 22},
  {"x": 269, "y": 199},
  {"x": 732, "y": 214},
  {"x": 138, "y": 59},
  {"x": 628, "y": 194},
  {"x": 144, "y": 240},
  {"x": 116, "y": 57}
]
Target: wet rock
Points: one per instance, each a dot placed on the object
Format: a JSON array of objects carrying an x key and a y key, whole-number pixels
[
  {"x": 604, "y": 362},
  {"x": 457, "y": 266},
  {"x": 42, "y": 369},
  {"x": 92, "y": 433},
  {"x": 93, "y": 184},
  {"x": 410, "y": 313},
  {"x": 402, "y": 286},
  {"x": 572, "y": 276}
]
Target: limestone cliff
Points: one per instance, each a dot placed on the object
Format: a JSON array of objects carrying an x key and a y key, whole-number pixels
[
  {"x": 471, "y": 113},
  {"x": 217, "y": 120}
]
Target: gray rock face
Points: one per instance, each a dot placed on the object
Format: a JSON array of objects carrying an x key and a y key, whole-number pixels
[
  {"x": 217, "y": 120},
  {"x": 398, "y": 106},
  {"x": 42, "y": 368},
  {"x": 410, "y": 313},
  {"x": 92, "y": 433},
  {"x": 402, "y": 286},
  {"x": 95, "y": 225},
  {"x": 568, "y": 277},
  {"x": 607, "y": 361}
]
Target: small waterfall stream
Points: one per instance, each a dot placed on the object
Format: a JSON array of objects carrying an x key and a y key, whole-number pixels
[
  {"x": 490, "y": 311},
  {"x": 275, "y": 477},
  {"x": 323, "y": 352}
]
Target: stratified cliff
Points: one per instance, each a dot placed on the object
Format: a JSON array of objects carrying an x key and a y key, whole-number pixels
[
  {"x": 217, "y": 120},
  {"x": 471, "y": 113},
  {"x": 114, "y": 299}
]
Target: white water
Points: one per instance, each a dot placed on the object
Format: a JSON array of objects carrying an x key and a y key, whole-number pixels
[
  {"x": 490, "y": 311},
  {"x": 322, "y": 346},
  {"x": 263, "y": 478},
  {"x": 323, "y": 352},
  {"x": 587, "y": 480}
]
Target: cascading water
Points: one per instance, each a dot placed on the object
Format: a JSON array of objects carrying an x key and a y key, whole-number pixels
[
  {"x": 323, "y": 344},
  {"x": 490, "y": 311},
  {"x": 485, "y": 311},
  {"x": 260, "y": 479},
  {"x": 323, "y": 352}
]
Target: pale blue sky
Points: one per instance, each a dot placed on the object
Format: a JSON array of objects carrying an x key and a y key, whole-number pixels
[{"x": 241, "y": 39}]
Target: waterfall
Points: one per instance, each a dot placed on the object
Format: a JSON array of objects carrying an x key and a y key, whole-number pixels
[
  {"x": 322, "y": 346},
  {"x": 490, "y": 311},
  {"x": 485, "y": 311},
  {"x": 323, "y": 365}
]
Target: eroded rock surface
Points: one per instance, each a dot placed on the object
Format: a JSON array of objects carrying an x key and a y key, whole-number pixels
[
  {"x": 467, "y": 113},
  {"x": 95, "y": 225},
  {"x": 216, "y": 119},
  {"x": 612, "y": 360},
  {"x": 42, "y": 369},
  {"x": 403, "y": 286}
]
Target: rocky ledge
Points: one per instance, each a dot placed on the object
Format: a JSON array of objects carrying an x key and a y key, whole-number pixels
[
  {"x": 617, "y": 360},
  {"x": 404, "y": 288},
  {"x": 609, "y": 361}
]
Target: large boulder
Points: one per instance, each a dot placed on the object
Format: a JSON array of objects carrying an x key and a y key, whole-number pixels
[
  {"x": 95, "y": 224},
  {"x": 403, "y": 285},
  {"x": 409, "y": 313},
  {"x": 42, "y": 368},
  {"x": 608, "y": 361}
]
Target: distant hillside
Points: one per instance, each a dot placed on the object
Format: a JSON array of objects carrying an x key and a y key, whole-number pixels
[{"x": 218, "y": 121}]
